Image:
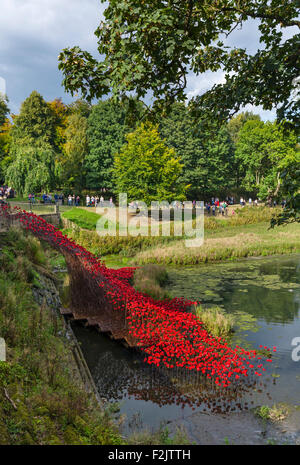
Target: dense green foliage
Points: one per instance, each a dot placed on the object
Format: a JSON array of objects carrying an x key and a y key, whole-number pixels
[
  {"x": 149, "y": 47},
  {"x": 75, "y": 150},
  {"x": 52, "y": 146},
  {"x": 291, "y": 190},
  {"x": 150, "y": 280},
  {"x": 152, "y": 45},
  {"x": 32, "y": 169},
  {"x": 263, "y": 152},
  {"x": 42, "y": 400},
  {"x": 146, "y": 169},
  {"x": 207, "y": 156},
  {"x": 36, "y": 122},
  {"x": 106, "y": 134},
  {"x": 5, "y": 142},
  {"x": 33, "y": 147},
  {"x": 4, "y": 110}
]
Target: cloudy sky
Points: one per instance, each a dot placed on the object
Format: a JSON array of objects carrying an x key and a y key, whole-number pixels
[{"x": 33, "y": 32}]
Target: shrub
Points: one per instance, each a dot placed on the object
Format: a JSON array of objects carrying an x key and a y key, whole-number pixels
[
  {"x": 253, "y": 215},
  {"x": 216, "y": 320},
  {"x": 150, "y": 279},
  {"x": 276, "y": 413}
]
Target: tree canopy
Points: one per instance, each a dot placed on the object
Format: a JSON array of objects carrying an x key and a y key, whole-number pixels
[
  {"x": 264, "y": 151},
  {"x": 33, "y": 169},
  {"x": 152, "y": 45},
  {"x": 5, "y": 131},
  {"x": 4, "y": 110},
  {"x": 147, "y": 169},
  {"x": 207, "y": 155},
  {"x": 107, "y": 127},
  {"x": 36, "y": 121},
  {"x": 33, "y": 144},
  {"x": 75, "y": 150}
]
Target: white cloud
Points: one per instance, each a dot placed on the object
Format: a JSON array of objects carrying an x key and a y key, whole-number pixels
[
  {"x": 52, "y": 22},
  {"x": 32, "y": 34},
  {"x": 266, "y": 115},
  {"x": 197, "y": 85},
  {"x": 2, "y": 86}
]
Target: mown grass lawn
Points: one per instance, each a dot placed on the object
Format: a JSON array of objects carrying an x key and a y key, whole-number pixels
[{"x": 82, "y": 218}]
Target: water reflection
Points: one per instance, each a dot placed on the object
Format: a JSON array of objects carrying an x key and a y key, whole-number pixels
[
  {"x": 263, "y": 294},
  {"x": 119, "y": 374}
]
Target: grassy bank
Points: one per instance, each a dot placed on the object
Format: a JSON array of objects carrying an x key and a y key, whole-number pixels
[
  {"x": 82, "y": 218},
  {"x": 226, "y": 243},
  {"x": 42, "y": 397},
  {"x": 244, "y": 234},
  {"x": 231, "y": 243},
  {"x": 42, "y": 400}
]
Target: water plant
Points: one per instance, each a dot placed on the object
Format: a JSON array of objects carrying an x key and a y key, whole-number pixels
[
  {"x": 216, "y": 320},
  {"x": 278, "y": 412},
  {"x": 150, "y": 279}
]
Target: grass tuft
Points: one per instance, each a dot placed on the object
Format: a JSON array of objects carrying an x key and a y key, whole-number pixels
[{"x": 216, "y": 320}]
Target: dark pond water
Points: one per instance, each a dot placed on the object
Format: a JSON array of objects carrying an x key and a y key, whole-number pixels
[{"x": 264, "y": 296}]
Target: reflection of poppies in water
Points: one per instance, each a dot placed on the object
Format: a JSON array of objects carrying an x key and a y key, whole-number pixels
[{"x": 117, "y": 378}]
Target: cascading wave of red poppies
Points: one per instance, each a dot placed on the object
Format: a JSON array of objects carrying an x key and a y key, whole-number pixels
[{"x": 164, "y": 331}]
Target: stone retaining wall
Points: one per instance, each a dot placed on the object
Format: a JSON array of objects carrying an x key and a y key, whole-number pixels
[{"x": 12, "y": 222}]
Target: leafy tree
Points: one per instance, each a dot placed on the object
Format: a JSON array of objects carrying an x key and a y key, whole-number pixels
[
  {"x": 234, "y": 127},
  {"x": 265, "y": 151},
  {"x": 107, "y": 128},
  {"x": 290, "y": 191},
  {"x": 207, "y": 156},
  {"x": 32, "y": 153},
  {"x": 33, "y": 169},
  {"x": 147, "y": 169},
  {"x": 5, "y": 143},
  {"x": 235, "y": 124},
  {"x": 220, "y": 164},
  {"x": 4, "y": 110},
  {"x": 82, "y": 107},
  {"x": 60, "y": 112},
  {"x": 151, "y": 45},
  {"x": 36, "y": 122},
  {"x": 75, "y": 150}
]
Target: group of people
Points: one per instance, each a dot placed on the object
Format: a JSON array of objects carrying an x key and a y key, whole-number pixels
[
  {"x": 96, "y": 201},
  {"x": 216, "y": 207},
  {"x": 73, "y": 200},
  {"x": 6, "y": 192},
  {"x": 243, "y": 202}
]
